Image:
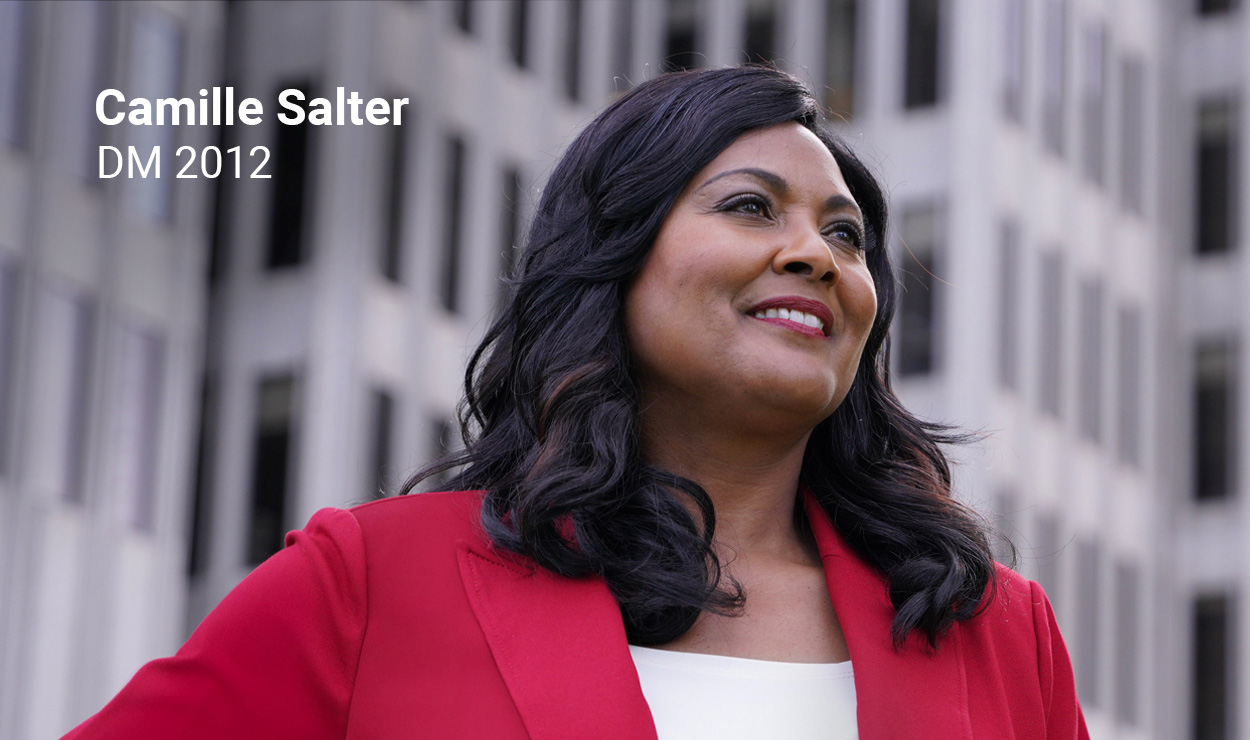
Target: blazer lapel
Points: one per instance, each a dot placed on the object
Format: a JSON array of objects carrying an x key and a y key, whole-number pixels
[
  {"x": 561, "y": 648},
  {"x": 912, "y": 692}
]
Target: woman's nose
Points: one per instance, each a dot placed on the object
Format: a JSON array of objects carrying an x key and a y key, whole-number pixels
[{"x": 807, "y": 253}]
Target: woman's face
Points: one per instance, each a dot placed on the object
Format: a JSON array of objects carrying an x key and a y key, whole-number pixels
[{"x": 755, "y": 301}]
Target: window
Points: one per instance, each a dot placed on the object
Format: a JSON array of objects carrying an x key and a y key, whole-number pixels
[
  {"x": 382, "y": 407},
  {"x": 623, "y": 51},
  {"x": 573, "y": 51},
  {"x": 510, "y": 215},
  {"x": 17, "y": 67},
  {"x": 1009, "y": 305},
  {"x": 91, "y": 29},
  {"x": 1213, "y": 667},
  {"x": 62, "y": 382},
  {"x": 449, "y": 286},
  {"x": 679, "y": 43},
  {"x": 8, "y": 359},
  {"x": 444, "y": 438},
  {"x": 922, "y": 54},
  {"x": 205, "y": 452},
  {"x": 395, "y": 199},
  {"x": 761, "y": 31},
  {"x": 840, "y": 51},
  {"x": 1093, "y": 102},
  {"x": 1051, "y": 334},
  {"x": 462, "y": 14},
  {"x": 1132, "y": 134},
  {"x": 1006, "y": 510},
  {"x": 1089, "y": 417},
  {"x": 1054, "y": 84},
  {"x": 1128, "y": 645},
  {"x": 155, "y": 72},
  {"x": 1014, "y": 44},
  {"x": 1212, "y": 7},
  {"x": 1215, "y": 396},
  {"x": 1047, "y": 554},
  {"x": 1215, "y": 193},
  {"x": 917, "y": 325},
  {"x": 273, "y": 456},
  {"x": 518, "y": 32},
  {"x": 136, "y": 418},
  {"x": 290, "y": 189},
  {"x": 1089, "y": 622},
  {"x": 1129, "y": 387}
]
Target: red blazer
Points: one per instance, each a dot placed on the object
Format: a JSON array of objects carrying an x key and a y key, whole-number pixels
[{"x": 397, "y": 619}]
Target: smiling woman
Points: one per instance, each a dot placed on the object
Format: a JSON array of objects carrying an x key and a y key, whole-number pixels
[{"x": 689, "y": 504}]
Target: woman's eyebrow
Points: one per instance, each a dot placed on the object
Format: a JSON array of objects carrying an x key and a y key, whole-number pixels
[
  {"x": 842, "y": 202},
  {"x": 775, "y": 182}
]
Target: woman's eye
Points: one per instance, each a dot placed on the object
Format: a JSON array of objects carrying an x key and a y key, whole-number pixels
[
  {"x": 846, "y": 233},
  {"x": 750, "y": 205}
]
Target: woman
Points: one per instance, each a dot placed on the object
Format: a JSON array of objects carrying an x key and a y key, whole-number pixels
[{"x": 693, "y": 486}]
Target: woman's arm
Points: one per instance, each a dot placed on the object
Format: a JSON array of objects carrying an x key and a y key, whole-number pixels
[
  {"x": 276, "y": 659},
  {"x": 1064, "y": 720}
]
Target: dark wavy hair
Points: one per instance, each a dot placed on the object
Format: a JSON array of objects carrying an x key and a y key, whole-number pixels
[{"x": 550, "y": 414}]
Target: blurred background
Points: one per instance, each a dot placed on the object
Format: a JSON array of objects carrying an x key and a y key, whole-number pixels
[{"x": 191, "y": 367}]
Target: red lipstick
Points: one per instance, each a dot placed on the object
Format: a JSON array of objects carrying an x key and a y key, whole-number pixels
[{"x": 797, "y": 303}]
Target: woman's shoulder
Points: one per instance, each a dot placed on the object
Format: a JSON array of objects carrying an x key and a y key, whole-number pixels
[{"x": 1015, "y": 610}]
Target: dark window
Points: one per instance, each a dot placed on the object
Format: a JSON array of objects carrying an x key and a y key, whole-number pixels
[
  {"x": 1093, "y": 102},
  {"x": 17, "y": 67},
  {"x": 573, "y": 51},
  {"x": 140, "y": 433},
  {"x": 1006, "y": 526},
  {"x": 449, "y": 290},
  {"x": 395, "y": 199},
  {"x": 272, "y": 465},
  {"x": 761, "y": 32},
  {"x": 383, "y": 416},
  {"x": 1132, "y": 133},
  {"x": 923, "y": 54},
  {"x": 205, "y": 453},
  {"x": 1216, "y": 191},
  {"x": 443, "y": 439},
  {"x": 1047, "y": 554},
  {"x": 1211, "y": 7},
  {"x": 510, "y": 215},
  {"x": 1213, "y": 667},
  {"x": 1054, "y": 82},
  {"x": 1089, "y": 417},
  {"x": 1009, "y": 305},
  {"x": 8, "y": 358},
  {"x": 104, "y": 16},
  {"x": 290, "y": 189},
  {"x": 1051, "y": 334},
  {"x": 1128, "y": 645},
  {"x": 1014, "y": 61},
  {"x": 1214, "y": 419},
  {"x": 623, "y": 31},
  {"x": 82, "y": 349},
  {"x": 679, "y": 42},
  {"x": 1129, "y": 387},
  {"x": 917, "y": 322},
  {"x": 1089, "y": 622},
  {"x": 518, "y": 32},
  {"x": 462, "y": 14},
  {"x": 840, "y": 52}
]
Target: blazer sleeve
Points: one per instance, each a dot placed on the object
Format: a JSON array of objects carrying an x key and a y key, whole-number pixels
[
  {"x": 1064, "y": 720},
  {"x": 276, "y": 659}
]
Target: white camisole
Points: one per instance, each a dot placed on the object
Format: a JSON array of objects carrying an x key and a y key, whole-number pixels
[{"x": 694, "y": 696}]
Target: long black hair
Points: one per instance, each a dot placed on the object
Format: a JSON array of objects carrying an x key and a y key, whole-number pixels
[{"x": 550, "y": 415}]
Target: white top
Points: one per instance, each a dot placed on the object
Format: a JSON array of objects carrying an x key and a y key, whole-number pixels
[{"x": 696, "y": 696}]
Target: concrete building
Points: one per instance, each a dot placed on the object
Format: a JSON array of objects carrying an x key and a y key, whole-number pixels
[{"x": 1064, "y": 182}]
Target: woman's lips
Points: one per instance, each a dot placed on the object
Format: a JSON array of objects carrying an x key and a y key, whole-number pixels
[{"x": 796, "y": 313}]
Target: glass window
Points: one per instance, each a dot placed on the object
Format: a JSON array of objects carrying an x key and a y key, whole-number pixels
[
  {"x": 922, "y": 57},
  {"x": 136, "y": 419},
  {"x": 155, "y": 72},
  {"x": 17, "y": 68},
  {"x": 518, "y": 32},
  {"x": 916, "y": 329},
  {"x": 8, "y": 359},
  {"x": 1215, "y": 196},
  {"x": 1213, "y": 7},
  {"x": 1093, "y": 102},
  {"x": 1132, "y": 133},
  {"x": 510, "y": 223},
  {"x": 1014, "y": 44},
  {"x": 273, "y": 455},
  {"x": 1051, "y": 334},
  {"x": 395, "y": 187},
  {"x": 449, "y": 285},
  {"x": 205, "y": 452},
  {"x": 841, "y": 25},
  {"x": 290, "y": 188},
  {"x": 1215, "y": 398},
  {"x": 1089, "y": 623},
  {"x": 382, "y": 406},
  {"x": 1212, "y": 667},
  {"x": 623, "y": 51},
  {"x": 573, "y": 50},
  {"x": 760, "y": 43},
  {"x": 1129, "y": 385},
  {"x": 462, "y": 14},
  {"x": 444, "y": 438},
  {"x": 62, "y": 383},
  {"x": 1090, "y": 391},
  {"x": 1054, "y": 84},
  {"x": 1009, "y": 304},
  {"x": 1006, "y": 511},
  {"x": 679, "y": 43},
  {"x": 1128, "y": 646}
]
